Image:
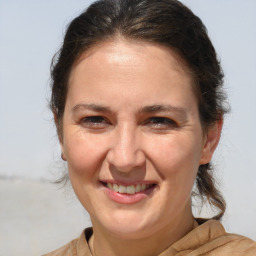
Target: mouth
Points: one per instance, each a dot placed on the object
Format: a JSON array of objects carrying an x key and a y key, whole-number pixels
[{"x": 129, "y": 190}]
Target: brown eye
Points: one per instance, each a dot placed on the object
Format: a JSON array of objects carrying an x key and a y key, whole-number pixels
[
  {"x": 93, "y": 119},
  {"x": 94, "y": 122},
  {"x": 161, "y": 123}
]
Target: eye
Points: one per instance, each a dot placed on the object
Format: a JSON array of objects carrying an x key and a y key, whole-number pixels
[
  {"x": 95, "y": 122},
  {"x": 161, "y": 123}
]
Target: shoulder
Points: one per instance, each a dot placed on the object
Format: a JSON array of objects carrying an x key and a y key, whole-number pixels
[
  {"x": 68, "y": 249},
  {"x": 76, "y": 247},
  {"x": 218, "y": 242},
  {"x": 211, "y": 239},
  {"x": 233, "y": 244}
]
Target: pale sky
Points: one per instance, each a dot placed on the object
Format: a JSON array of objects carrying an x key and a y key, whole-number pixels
[{"x": 30, "y": 33}]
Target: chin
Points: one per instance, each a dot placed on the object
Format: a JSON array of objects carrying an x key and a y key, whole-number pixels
[
  {"x": 129, "y": 232},
  {"x": 128, "y": 226}
]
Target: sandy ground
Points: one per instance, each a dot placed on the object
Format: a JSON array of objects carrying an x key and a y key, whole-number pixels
[{"x": 37, "y": 217}]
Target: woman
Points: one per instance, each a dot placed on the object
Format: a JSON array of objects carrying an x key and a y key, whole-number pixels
[{"x": 138, "y": 105}]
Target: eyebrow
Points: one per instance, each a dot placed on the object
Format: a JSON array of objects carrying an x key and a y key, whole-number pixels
[
  {"x": 146, "y": 109},
  {"x": 163, "y": 108},
  {"x": 93, "y": 107}
]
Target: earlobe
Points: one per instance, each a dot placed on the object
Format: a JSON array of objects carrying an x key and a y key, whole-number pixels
[
  {"x": 63, "y": 157},
  {"x": 211, "y": 141}
]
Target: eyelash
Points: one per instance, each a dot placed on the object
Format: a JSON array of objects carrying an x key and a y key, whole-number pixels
[
  {"x": 161, "y": 123},
  {"x": 94, "y": 121},
  {"x": 152, "y": 122}
]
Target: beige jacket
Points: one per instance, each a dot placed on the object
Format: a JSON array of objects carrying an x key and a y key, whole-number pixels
[{"x": 208, "y": 239}]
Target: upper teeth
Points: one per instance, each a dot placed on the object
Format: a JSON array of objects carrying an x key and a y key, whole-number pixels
[{"x": 128, "y": 189}]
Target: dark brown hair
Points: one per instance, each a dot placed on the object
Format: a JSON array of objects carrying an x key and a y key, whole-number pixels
[{"x": 165, "y": 22}]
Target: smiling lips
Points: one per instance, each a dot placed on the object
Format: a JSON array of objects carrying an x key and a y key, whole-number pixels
[
  {"x": 130, "y": 194},
  {"x": 132, "y": 189}
]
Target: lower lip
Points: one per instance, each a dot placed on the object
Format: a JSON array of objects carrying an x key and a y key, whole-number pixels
[{"x": 128, "y": 198}]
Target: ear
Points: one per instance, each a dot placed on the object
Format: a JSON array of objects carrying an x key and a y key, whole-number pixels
[
  {"x": 211, "y": 141},
  {"x": 60, "y": 137}
]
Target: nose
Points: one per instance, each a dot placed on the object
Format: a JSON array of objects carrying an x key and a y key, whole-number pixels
[{"x": 126, "y": 153}]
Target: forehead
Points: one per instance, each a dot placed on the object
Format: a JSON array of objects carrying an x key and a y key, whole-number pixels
[
  {"x": 123, "y": 51},
  {"x": 121, "y": 68}
]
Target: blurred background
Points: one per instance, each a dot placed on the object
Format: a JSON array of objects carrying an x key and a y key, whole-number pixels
[{"x": 37, "y": 216}]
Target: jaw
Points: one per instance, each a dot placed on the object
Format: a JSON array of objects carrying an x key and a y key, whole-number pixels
[{"x": 137, "y": 240}]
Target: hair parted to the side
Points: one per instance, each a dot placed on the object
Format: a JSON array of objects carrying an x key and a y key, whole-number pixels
[{"x": 165, "y": 22}]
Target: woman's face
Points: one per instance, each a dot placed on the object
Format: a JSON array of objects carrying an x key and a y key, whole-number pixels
[{"x": 132, "y": 137}]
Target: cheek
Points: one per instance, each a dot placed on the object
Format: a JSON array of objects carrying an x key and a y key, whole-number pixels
[
  {"x": 84, "y": 155},
  {"x": 176, "y": 160},
  {"x": 176, "y": 156}
]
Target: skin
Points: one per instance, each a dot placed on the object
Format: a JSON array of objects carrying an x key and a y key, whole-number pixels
[{"x": 131, "y": 116}]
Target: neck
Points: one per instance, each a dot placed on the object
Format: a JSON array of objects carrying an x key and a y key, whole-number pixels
[{"x": 108, "y": 244}]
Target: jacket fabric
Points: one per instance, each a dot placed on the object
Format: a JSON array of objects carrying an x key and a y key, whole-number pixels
[{"x": 207, "y": 239}]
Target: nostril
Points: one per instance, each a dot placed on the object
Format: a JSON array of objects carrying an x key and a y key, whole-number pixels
[
  {"x": 126, "y": 160},
  {"x": 125, "y": 153}
]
